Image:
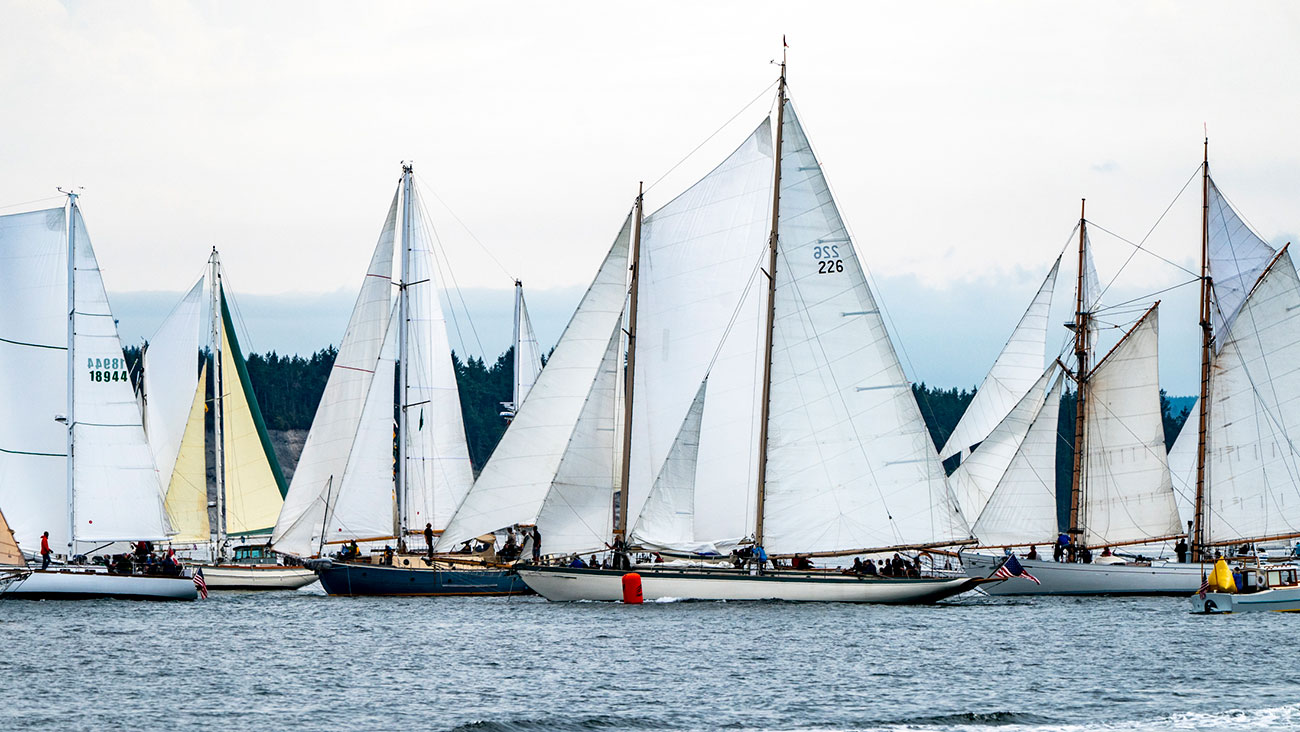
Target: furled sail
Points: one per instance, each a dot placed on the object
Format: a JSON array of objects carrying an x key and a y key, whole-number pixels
[
  {"x": 170, "y": 365},
  {"x": 254, "y": 485},
  {"x": 335, "y": 425},
  {"x": 697, "y": 275},
  {"x": 1016, "y": 369},
  {"x": 187, "y": 489},
  {"x": 10, "y": 555},
  {"x": 438, "y": 471},
  {"x": 1128, "y": 494},
  {"x": 116, "y": 491},
  {"x": 850, "y": 463},
  {"x": 1022, "y": 508},
  {"x": 1252, "y": 464},
  {"x": 1237, "y": 259},
  {"x": 975, "y": 480},
  {"x": 668, "y": 515},
  {"x": 514, "y": 486},
  {"x": 34, "y": 374}
]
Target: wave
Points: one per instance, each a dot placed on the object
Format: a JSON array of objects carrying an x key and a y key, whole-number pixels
[{"x": 1237, "y": 720}]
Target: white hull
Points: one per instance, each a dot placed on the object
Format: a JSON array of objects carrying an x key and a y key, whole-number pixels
[
  {"x": 256, "y": 577},
  {"x": 560, "y": 584},
  {"x": 87, "y": 583},
  {"x": 1064, "y": 578},
  {"x": 1282, "y": 600}
]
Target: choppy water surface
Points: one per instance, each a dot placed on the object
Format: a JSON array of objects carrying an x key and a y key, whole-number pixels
[{"x": 304, "y": 661}]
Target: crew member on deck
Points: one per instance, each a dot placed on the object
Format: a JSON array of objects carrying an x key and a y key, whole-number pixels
[
  {"x": 428, "y": 540},
  {"x": 45, "y": 551},
  {"x": 537, "y": 545},
  {"x": 1033, "y": 553}
]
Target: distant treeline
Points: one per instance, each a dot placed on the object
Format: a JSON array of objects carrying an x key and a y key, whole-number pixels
[{"x": 289, "y": 388}]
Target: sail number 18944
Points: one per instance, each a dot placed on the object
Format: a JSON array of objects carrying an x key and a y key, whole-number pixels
[
  {"x": 107, "y": 369},
  {"x": 828, "y": 259}
]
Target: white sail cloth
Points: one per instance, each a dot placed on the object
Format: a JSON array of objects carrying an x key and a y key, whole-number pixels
[
  {"x": 338, "y": 416},
  {"x": 1252, "y": 464},
  {"x": 1128, "y": 494},
  {"x": 528, "y": 354},
  {"x": 1017, "y": 368},
  {"x": 1237, "y": 259},
  {"x": 533, "y": 456},
  {"x": 1022, "y": 507},
  {"x": 850, "y": 463},
  {"x": 668, "y": 514},
  {"x": 697, "y": 287},
  {"x": 171, "y": 378}
]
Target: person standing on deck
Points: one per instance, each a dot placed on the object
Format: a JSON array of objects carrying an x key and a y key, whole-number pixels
[
  {"x": 1181, "y": 550},
  {"x": 45, "y": 550},
  {"x": 537, "y": 545},
  {"x": 428, "y": 540}
]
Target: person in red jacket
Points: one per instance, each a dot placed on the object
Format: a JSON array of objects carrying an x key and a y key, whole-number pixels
[{"x": 45, "y": 550}]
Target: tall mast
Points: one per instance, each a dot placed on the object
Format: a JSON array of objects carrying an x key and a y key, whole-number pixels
[
  {"x": 629, "y": 380},
  {"x": 514, "y": 396},
  {"x": 403, "y": 339},
  {"x": 1207, "y": 344},
  {"x": 1081, "y": 318},
  {"x": 771, "y": 307},
  {"x": 218, "y": 401},
  {"x": 72, "y": 369}
]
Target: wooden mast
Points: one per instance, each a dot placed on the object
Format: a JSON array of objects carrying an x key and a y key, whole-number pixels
[
  {"x": 629, "y": 378},
  {"x": 1081, "y": 318},
  {"x": 771, "y": 308},
  {"x": 1207, "y": 344}
]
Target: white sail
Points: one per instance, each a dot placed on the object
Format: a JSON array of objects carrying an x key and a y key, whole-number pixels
[
  {"x": 974, "y": 481},
  {"x": 1237, "y": 259},
  {"x": 438, "y": 471},
  {"x": 698, "y": 284},
  {"x": 519, "y": 476},
  {"x": 528, "y": 355},
  {"x": 1014, "y": 372},
  {"x": 1128, "y": 494},
  {"x": 329, "y": 443},
  {"x": 170, "y": 380},
  {"x": 116, "y": 491},
  {"x": 1253, "y": 468},
  {"x": 1182, "y": 465},
  {"x": 361, "y": 501},
  {"x": 668, "y": 515},
  {"x": 34, "y": 374},
  {"x": 850, "y": 463},
  {"x": 1022, "y": 508}
]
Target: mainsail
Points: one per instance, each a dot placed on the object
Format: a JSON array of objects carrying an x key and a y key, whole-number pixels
[
  {"x": 1237, "y": 258},
  {"x": 1016, "y": 369},
  {"x": 533, "y": 458}
]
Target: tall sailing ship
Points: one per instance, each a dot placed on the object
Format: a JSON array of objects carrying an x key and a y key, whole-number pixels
[
  {"x": 762, "y": 406},
  {"x": 1121, "y": 493},
  {"x": 249, "y": 485},
  {"x": 394, "y": 359},
  {"x": 74, "y": 460}
]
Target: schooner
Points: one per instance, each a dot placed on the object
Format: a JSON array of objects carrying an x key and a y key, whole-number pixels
[{"x": 727, "y": 381}]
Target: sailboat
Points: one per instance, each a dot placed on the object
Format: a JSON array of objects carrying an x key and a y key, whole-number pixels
[
  {"x": 345, "y": 489},
  {"x": 1240, "y": 458},
  {"x": 1121, "y": 492},
  {"x": 13, "y": 565},
  {"x": 249, "y": 483},
  {"x": 771, "y": 417},
  {"x": 527, "y": 356},
  {"x": 74, "y": 460}
]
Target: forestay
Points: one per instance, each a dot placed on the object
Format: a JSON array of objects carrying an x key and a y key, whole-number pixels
[
  {"x": 335, "y": 425},
  {"x": 1128, "y": 495},
  {"x": 514, "y": 486},
  {"x": 850, "y": 463},
  {"x": 1014, "y": 372}
]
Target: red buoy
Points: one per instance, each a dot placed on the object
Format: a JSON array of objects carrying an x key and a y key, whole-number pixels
[{"x": 632, "y": 589}]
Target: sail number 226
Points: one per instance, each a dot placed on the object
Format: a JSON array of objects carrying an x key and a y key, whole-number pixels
[{"x": 828, "y": 259}]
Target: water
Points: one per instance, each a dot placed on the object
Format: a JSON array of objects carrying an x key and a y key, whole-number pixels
[{"x": 303, "y": 661}]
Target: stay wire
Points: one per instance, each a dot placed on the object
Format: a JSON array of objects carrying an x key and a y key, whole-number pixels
[{"x": 424, "y": 183}]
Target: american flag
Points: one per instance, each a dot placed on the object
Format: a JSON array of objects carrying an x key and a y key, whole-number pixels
[
  {"x": 202, "y": 586},
  {"x": 1011, "y": 568}
]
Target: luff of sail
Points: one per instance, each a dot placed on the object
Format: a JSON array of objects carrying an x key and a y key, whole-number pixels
[
  {"x": 338, "y": 416},
  {"x": 1016, "y": 369},
  {"x": 1128, "y": 495},
  {"x": 254, "y": 485},
  {"x": 1252, "y": 466},
  {"x": 1022, "y": 508},
  {"x": 169, "y": 380},
  {"x": 187, "y": 490},
  {"x": 850, "y": 463},
  {"x": 516, "y": 481}
]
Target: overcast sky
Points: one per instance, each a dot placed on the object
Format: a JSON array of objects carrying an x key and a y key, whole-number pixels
[{"x": 959, "y": 138}]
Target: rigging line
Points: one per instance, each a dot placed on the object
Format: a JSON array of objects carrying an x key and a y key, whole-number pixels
[
  {"x": 1138, "y": 246},
  {"x": 1146, "y": 298},
  {"x": 424, "y": 183},
  {"x": 34, "y": 200},
  {"x": 443, "y": 265},
  {"x": 706, "y": 140}
]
